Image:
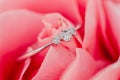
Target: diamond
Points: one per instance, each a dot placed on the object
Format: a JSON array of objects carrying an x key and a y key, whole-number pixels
[
  {"x": 67, "y": 35},
  {"x": 72, "y": 31},
  {"x": 56, "y": 40}
]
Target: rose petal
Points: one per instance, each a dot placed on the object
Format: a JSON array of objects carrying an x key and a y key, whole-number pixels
[
  {"x": 83, "y": 67},
  {"x": 27, "y": 63},
  {"x": 111, "y": 72},
  {"x": 113, "y": 16},
  {"x": 102, "y": 46},
  {"x": 55, "y": 62},
  {"x": 45, "y": 6},
  {"x": 90, "y": 25},
  {"x": 36, "y": 60},
  {"x": 18, "y": 28},
  {"x": 106, "y": 45}
]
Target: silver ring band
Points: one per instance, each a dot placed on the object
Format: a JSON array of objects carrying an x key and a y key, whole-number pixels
[{"x": 65, "y": 36}]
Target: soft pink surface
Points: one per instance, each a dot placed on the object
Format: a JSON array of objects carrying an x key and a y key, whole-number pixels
[{"x": 94, "y": 54}]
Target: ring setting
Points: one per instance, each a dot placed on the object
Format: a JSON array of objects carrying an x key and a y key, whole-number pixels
[{"x": 65, "y": 35}]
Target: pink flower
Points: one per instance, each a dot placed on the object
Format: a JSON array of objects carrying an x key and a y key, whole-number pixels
[{"x": 93, "y": 54}]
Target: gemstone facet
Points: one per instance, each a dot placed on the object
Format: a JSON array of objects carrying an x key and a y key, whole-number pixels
[
  {"x": 56, "y": 40},
  {"x": 65, "y": 35}
]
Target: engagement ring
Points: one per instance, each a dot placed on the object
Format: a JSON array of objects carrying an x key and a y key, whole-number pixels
[{"x": 65, "y": 35}]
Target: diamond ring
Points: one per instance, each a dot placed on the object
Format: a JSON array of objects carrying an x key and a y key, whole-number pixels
[{"x": 65, "y": 35}]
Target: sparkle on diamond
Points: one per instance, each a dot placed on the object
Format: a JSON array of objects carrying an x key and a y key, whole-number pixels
[{"x": 65, "y": 35}]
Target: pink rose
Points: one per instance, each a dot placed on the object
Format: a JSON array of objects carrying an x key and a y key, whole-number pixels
[{"x": 93, "y": 54}]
